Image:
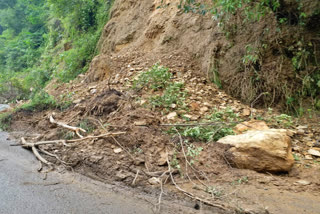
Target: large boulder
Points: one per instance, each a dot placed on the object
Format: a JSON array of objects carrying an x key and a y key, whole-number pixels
[{"x": 260, "y": 150}]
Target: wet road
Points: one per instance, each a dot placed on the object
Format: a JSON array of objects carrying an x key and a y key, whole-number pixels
[{"x": 23, "y": 190}]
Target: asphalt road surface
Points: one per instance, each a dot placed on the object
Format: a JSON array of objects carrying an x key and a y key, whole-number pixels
[{"x": 23, "y": 190}]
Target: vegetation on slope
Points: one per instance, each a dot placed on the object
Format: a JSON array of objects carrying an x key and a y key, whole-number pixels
[
  {"x": 290, "y": 37},
  {"x": 45, "y": 39}
]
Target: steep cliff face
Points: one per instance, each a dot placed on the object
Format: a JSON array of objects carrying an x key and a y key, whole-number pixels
[
  {"x": 189, "y": 41},
  {"x": 140, "y": 28}
]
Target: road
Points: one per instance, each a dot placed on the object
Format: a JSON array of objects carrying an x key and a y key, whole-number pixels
[{"x": 24, "y": 191}]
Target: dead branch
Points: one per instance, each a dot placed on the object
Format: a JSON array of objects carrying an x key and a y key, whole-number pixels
[
  {"x": 190, "y": 195},
  {"x": 135, "y": 178},
  {"x": 77, "y": 130},
  {"x": 53, "y": 155},
  {"x": 35, "y": 151},
  {"x": 202, "y": 124},
  {"x": 96, "y": 137},
  {"x": 187, "y": 162}
]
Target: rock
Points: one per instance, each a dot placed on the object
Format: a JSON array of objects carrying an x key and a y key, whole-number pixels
[
  {"x": 117, "y": 150},
  {"x": 302, "y": 127},
  {"x": 4, "y": 107},
  {"x": 308, "y": 157},
  {"x": 260, "y": 150},
  {"x": 246, "y": 112},
  {"x": 154, "y": 181},
  {"x": 296, "y": 148},
  {"x": 303, "y": 182},
  {"x": 314, "y": 152},
  {"x": 172, "y": 115},
  {"x": 173, "y": 105},
  {"x": 120, "y": 175},
  {"x": 204, "y": 109},
  {"x": 250, "y": 125},
  {"x": 140, "y": 123},
  {"x": 194, "y": 106},
  {"x": 188, "y": 116},
  {"x": 163, "y": 158},
  {"x": 77, "y": 101},
  {"x": 93, "y": 91},
  {"x": 95, "y": 158},
  {"x": 300, "y": 132},
  {"x": 143, "y": 102}
]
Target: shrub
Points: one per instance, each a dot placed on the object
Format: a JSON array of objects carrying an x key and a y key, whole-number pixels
[{"x": 155, "y": 78}]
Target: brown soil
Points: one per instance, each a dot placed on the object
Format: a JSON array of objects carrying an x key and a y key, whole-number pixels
[{"x": 104, "y": 100}]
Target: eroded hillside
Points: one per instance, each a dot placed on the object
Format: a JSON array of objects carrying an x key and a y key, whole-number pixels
[{"x": 153, "y": 117}]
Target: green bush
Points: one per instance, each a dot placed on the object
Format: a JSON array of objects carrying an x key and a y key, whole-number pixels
[
  {"x": 173, "y": 94},
  {"x": 40, "y": 101},
  {"x": 220, "y": 124},
  {"x": 157, "y": 77}
]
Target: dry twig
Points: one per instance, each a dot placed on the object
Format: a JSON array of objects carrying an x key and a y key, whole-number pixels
[{"x": 190, "y": 195}]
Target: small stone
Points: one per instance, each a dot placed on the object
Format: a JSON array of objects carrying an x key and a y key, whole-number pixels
[
  {"x": 296, "y": 148},
  {"x": 310, "y": 144},
  {"x": 117, "y": 150},
  {"x": 204, "y": 109},
  {"x": 173, "y": 106},
  {"x": 172, "y": 115},
  {"x": 300, "y": 132},
  {"x": 121, "y": 175},
  {"x": 308, "y": 157},
  {"x": 246, "y": 112},
  {"x": 93, "y": 91},
  {"x": 95, "y": 159},
  {"x": 302, "y": 127},
  {"x": 154, "y": 181},
  {"x": 207, "y": 104},
  {"x": 77, "y": 101},
  {"x": 314, "y": 152},
  {"x": 195, "y": 118},
  {"x": 140, "y": 123},
  {"x": 303, "y": 182},
  {"x": 163, "y": 158},
  {"x": 194, "y": 106},
  {"x": 142, "y": 102},
  {"x": 188, "y": 116}
]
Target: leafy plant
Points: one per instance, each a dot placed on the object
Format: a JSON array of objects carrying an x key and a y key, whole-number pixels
[
  {"x": 222, "y": 122},
  {"x": 156, "y": 78},
  {"x": 87, "y": 125},
  {"x": 193, "y": 152},
  {"x": 5, "y": 120},
  {"x": 40, "y": 101},
  {"x": 173, "y": 94},
  {"x": 242, "y": 180},
  {"x": 214, "y": 191}
]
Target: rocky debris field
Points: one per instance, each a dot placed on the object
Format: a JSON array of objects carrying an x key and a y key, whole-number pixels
[{"x": 169, "y": 139}]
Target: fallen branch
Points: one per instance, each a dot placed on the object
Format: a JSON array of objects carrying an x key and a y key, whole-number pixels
[
  {"x": 190, "y": 195},
  {"x": 98, "y": 136},
  {"x": 202, "y": 124},
  {"x": 53, "y": 155},
  {"x": 77, "y": 130},
  {"x": 35, "y": 151}
]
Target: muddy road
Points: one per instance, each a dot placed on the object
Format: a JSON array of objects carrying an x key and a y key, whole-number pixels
[{"x": 23, "y": 190}]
